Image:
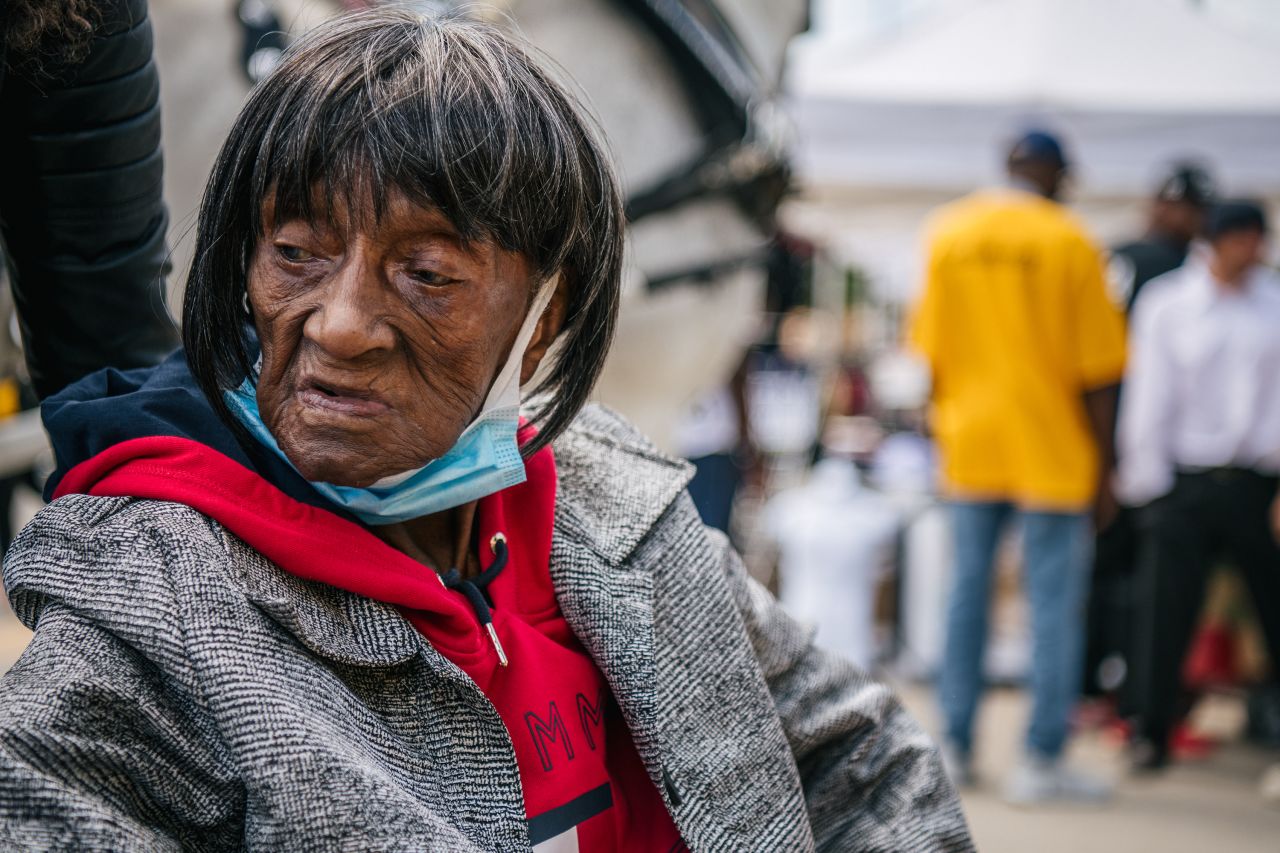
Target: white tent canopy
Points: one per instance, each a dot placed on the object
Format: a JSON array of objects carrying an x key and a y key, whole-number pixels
[
  {"x": 886, "y": 131},
  {"x": 1148, "y": 55},
  {"x": 1129, "y": 84}
]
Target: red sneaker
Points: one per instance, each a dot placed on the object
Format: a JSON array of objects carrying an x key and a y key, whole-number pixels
[{"x": 1187, "y": 745}]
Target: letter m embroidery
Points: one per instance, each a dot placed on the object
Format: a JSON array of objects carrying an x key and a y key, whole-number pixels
[
  {"x": 552, "y": 730},
  {"x": 591, "y": 716}
]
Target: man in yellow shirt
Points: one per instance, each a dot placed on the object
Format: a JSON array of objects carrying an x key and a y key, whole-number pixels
[{"x": 1025, "y": 350}]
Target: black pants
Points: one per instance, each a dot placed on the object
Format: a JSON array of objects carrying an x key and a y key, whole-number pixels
[
  {"x": 1109, "y": 619},
  {"x": 1225, "y": 513}
]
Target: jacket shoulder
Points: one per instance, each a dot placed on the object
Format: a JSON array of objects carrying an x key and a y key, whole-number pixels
[
  {"x": 112, "y": 560},
  {"x": 614, "y": 484},
  {"x": 599, "y": 424},
  {"x": 1054, "y": 221}
]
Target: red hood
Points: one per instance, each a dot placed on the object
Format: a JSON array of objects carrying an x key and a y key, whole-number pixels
[{"x": 313, "y": 543}]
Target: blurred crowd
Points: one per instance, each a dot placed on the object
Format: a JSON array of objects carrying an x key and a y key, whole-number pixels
[{"x": 1117, "y": 410}]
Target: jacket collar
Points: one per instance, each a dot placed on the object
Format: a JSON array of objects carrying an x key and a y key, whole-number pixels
[
  {"x": 614, "y": 484},
  {"x": 333, "y": 623}
]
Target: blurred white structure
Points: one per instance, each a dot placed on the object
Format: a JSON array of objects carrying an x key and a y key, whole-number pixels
[
  {"x": 835, "y": 539},
  {"x": 888, "y": 130},
  {"x": 685, "y": 337},
  {"x": 1139, "y": 55}
]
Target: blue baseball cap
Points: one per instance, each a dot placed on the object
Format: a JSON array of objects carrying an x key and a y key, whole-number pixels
[{"x": 1038, "y": 146}]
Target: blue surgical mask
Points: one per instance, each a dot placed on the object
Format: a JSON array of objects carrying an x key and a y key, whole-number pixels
[{"x": 485, "y": 458}]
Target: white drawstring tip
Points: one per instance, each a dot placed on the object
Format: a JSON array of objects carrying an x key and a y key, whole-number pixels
[{"x": 497, "y": 645}]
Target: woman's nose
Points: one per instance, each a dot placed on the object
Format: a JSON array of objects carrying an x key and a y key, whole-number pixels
[{"x": 350, "y": 320}]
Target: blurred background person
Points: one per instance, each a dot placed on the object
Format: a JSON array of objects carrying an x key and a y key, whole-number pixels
[
  {"x": 1025, "y": 350},
  {"x": 82, "y": 218},
  {"x": 1174, "y": 218},
  {"x": 898, "y": 107},
  {"x": 81, "y": 212},
  {"x": 715, "y": 435},
  {"x": 1199, "y": 440}
]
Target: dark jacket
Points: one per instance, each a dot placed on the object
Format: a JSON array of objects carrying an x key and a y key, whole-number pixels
[
  {"x": 81, "y": 209},
  {"x": 1135, "y": 263}
]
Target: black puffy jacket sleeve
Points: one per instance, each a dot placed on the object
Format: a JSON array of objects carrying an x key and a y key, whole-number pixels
[{"x": 81, "y": 207}]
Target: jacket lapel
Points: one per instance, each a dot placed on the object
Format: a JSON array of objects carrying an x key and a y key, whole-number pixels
[
  {"x": 610, "y": 609},
  {"x": 607, "y": 599}
]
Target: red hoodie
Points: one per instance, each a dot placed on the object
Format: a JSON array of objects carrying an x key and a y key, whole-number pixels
[{"x": 585, "y": 788}]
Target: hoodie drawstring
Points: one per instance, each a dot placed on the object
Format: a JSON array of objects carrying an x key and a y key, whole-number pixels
[{"x": 474, "y": 590}]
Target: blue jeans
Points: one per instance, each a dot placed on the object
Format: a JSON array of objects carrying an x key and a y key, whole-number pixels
[{"x": 1056, "y": 553}]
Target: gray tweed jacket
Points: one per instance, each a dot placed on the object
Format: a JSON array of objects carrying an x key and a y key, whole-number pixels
[{"x": 182, "y": 692}]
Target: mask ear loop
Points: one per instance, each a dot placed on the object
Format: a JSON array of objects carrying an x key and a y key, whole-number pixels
[
  {"x": 510, "y": 371},
  {"x": 521, "y": 344},
  {"x": 540, "y": 304}
]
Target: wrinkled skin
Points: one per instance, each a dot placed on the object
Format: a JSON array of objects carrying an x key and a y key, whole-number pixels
[{"x": 380, "y": 343}]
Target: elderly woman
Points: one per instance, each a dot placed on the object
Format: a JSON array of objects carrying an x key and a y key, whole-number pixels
[{"x": 313, "y": 585}]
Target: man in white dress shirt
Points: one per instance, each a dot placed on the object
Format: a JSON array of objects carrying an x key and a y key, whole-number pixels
[{"x": 1199, "y": 451}]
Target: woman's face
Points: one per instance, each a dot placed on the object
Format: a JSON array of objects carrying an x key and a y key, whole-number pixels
[{"x": 379, "y": 345}]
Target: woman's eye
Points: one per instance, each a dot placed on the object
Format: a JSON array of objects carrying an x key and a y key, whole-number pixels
[
  {"x": 293, "y": 254},
  {"x": 432, "y": 278}
]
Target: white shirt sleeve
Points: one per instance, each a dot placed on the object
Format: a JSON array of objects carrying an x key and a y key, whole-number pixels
[{"x": 1145, "y": 466}]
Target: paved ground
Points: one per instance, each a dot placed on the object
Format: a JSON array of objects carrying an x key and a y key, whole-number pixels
[{"x": 1210, "y": 806}]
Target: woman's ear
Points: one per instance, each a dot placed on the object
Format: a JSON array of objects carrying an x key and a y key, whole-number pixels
[{"x": 547, "y": 330}]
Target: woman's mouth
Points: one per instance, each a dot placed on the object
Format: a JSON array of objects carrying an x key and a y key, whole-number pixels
[{"x": 336, "y": 399}]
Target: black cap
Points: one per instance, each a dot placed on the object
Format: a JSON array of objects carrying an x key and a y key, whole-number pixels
[
  {"x": 1038, "y": 146},
  {"x": 1187, "y": 182},
  {"x": 1232, "y": 216}
]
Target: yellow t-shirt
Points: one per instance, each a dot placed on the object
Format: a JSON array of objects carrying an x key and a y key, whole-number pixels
[{"x": 1016, "y": 325}]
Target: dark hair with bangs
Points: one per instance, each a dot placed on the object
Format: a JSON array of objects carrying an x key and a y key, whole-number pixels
[{"x": 449, "y": 112}]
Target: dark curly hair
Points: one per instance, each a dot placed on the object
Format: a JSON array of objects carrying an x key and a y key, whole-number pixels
[{"x": 45, "y": 35}]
